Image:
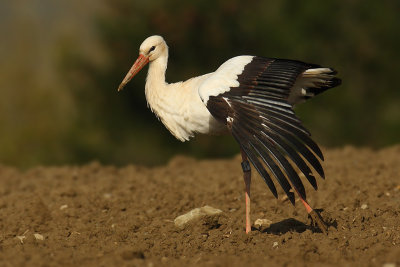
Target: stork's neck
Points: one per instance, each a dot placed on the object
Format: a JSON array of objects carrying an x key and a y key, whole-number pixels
[
  {"x": 156, "y": 87},
  {"x": 156, "y": 75}
]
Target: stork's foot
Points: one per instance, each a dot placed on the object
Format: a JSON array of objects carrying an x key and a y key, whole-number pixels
[{"x": 317, "y": 219}]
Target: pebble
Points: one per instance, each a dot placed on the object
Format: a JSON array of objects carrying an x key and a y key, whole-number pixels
[
  {"x": 63, "y": 207},
  {"x": 21, "y": 238},
  {"x": 389, "y": 264},
  {"x": 262, "y": 222},
  {"x": 275, "y": 244},
  {"x": 364, "y": 206},
  {"x": 38, "y": 236},
  {"x": 107, "y": 195},
  {"x": 194, "y": 214}
]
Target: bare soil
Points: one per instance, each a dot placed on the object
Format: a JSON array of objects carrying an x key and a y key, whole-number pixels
[{"x": 96, "y": 215}]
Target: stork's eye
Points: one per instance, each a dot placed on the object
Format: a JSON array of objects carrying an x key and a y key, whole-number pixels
[{"x": 152, "y": 48}]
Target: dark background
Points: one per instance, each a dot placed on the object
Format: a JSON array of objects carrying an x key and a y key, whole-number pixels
[{"x": 61, "y": 64}]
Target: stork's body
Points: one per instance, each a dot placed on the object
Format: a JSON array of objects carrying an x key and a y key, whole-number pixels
[
  {"x": 251, "y": 98},
  {"x": 180, "y": 108}
]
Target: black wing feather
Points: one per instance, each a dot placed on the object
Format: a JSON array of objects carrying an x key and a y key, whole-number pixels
[
  {"x": 259, "y": 167},
  {"x": 251, "y": 122},
  {"x": 277, "y": 136},
  {"x": 262, "y": 121}
]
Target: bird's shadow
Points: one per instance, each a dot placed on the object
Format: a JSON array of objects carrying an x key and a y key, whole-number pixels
[
  {"x": 284, "y": 226},
  {"x": 293, "y": 225}
]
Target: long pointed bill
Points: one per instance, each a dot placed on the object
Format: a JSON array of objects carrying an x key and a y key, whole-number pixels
[{"x": 140, "y": 62}]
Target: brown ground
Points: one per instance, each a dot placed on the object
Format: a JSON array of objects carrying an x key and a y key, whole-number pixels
[{"x": 101, "y": 215}]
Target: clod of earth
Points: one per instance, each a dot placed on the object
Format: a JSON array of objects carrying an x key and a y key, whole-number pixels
[
  {"x": 38, "y": 236},
  {"x": 262, "y": 223},
  {"x": 195, "y": 214}
]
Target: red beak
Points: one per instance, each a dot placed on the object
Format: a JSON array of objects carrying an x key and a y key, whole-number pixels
[{"x": 140, "y": 62}]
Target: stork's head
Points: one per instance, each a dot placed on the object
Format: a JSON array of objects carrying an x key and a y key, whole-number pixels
[{"x": 151, "y": 49}]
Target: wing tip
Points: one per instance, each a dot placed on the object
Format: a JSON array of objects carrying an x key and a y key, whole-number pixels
[{"x": 335, "y": 81}]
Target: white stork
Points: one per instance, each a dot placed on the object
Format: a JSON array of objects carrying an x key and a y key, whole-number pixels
[{"x": 251, "y": 98}]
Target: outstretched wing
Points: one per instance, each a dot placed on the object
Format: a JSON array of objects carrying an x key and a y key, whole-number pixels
[{"x": 254, "y": 97}]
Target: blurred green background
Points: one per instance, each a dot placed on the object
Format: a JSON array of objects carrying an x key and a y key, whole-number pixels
[{"x": 62, "y": 61}]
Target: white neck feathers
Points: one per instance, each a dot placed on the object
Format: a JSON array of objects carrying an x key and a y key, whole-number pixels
[{"x": 155, "y": 81}]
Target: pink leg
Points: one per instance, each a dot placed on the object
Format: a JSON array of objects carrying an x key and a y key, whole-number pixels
[
  {"x": 308, "y": 208},
  {"x": 247, "y": 180}
]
